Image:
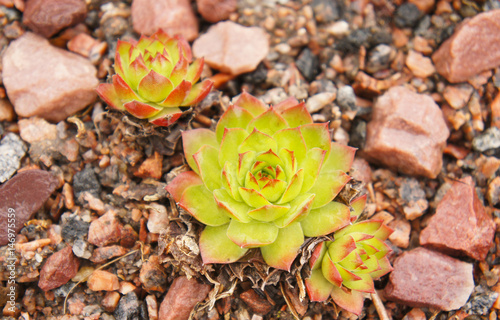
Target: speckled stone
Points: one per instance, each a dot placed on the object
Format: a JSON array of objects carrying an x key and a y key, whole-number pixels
[
  {"x": 461, "y": 225},
  {"x": 465, "y": 54},
  {"x": 407, "y": 132},
  {"x": 424, "y": 278}
]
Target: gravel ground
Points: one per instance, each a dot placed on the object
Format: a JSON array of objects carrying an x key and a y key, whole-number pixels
[{"x": 413, "y": 85}]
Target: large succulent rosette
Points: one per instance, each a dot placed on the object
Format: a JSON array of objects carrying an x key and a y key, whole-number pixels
[
  {"x": 154, "y": 77},
  {"x": 264, "y": 179},
  {"x": 345, "y": 268}
]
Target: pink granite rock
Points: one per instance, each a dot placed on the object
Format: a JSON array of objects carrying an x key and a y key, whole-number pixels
[
  {"x": 181, "y": 298},
  {"x": 59, "y": 268},
  {"x": 173, "y": 16},
  {"x": 48, "y": 17},
  {"x": 473, "y": 48},
  {"x": 460, "y": 225},
  {"x": 42, "y": 80},
  {"x": 101, "y": 280},
  {"x": 232, "y": 48},
  {"x": 36, "y": 129},
  {"x": 105, "y": 231},
  {"x": 22, "y": 196},
  {"x": 216, "y": 10},
  {"x": 407, "y": 132},
  {"x": 424, "y": 278}
]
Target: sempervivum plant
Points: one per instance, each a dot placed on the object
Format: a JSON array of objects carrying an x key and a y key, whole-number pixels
[
  {"x": 154, "y": 77},
  {"x": 264, "y": 179},
  {"x": 346, "y": 267}
]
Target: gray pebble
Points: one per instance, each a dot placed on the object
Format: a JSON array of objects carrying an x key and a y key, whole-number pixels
[
  {"x": 489, "y": 140},
  {"x": 12, "y": 149},
  {"x": 346, "y": 98}
]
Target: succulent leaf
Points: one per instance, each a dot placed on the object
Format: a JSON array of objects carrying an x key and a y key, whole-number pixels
[
  {"x": 142, "y": 110},
  {"x": 251, "y": 104},
  {"x": 193, "y": 140},
  {"x": 317, "y": 256},
  {"x": 340, "y": 158},
  {"x": 317, "y": 286},
  {"x": 207, "y": 160},
  {"x": 216, "y": 247},
  {"x": 177, "y": 95},
  {"x": 350, "y": 300},
  {"x": 284, "y": 249},
  {"x": 184, "y": 180},
  {"x": 200, "y": 203},
  {"x": 252, "y": 234},
  {"x": 327, "y": 186},
  {"x": 155, "y": 73},
  {"x": 268, "y": 122},
  {"x": 325, "y": 220},
  {"x": 297, "y": 115},
  {"x": 234, "y": 117}
]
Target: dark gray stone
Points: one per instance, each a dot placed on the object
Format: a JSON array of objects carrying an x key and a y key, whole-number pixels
[
  {"x": 308, "y": 64},
  {"x": 481, "y": 301},
  {"x": 354, "y": 40},
  {"x": 410, "y": 190},
  {"x": 407, "y": 15},
  {"x": 327, "y": 10},
  {"x": 86, "y": 180},
  {"x": 73, "y": 229},
  {"x": 129, "y": 308}
]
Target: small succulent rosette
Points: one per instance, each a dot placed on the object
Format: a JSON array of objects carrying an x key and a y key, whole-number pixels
[
  {"x": 154, "y": 77},
  {"x": 264, "y": 179},
  {"x": 345, "y": 268}
]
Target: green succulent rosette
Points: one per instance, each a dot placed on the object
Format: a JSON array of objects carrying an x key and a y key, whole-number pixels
[
  {"x": 345, "y": 268},
  {"x": 154, "y": 77},
  {"x": 266, "y": 178}
]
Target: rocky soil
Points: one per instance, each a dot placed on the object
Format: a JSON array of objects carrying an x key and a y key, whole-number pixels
[{"x": 414, "y": 85}]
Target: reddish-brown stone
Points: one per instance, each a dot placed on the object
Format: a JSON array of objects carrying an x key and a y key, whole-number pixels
[
  {"x": 48, "y": 17},
  {"x": 424, "y": 278},
  {"x": 59, "y": 268},
  {"x": 407, "y": 132},
  {"x": 495, "y": 111},
  {"x": 151, "y": 167},
  {"x": 232, "y": 48},
  {"x": 216, "y": 10},
  {"x": 181, "y": 298},
  {"x": 173, "y": 16},
  {"x": 42, "y": 80},
  {"x": 474, "y": 47},
  {"x": 257, "y": 303},
  {"x": 460, "y": 225},
  {"x": 105, "y": 231},
  {"x": 100, "y": 255},
  {"x": 21, "y": 197},
  {"x": 128, "y": 236}
]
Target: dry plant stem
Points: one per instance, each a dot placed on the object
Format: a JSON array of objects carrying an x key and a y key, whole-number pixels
[
  {"x": 101, "y": 267},
  {"x": 79, "y": 124},
  {"x": 289, "y": 303},
  {"x": 434, "y": 315},
  {"x": 382, "y": 313}
]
